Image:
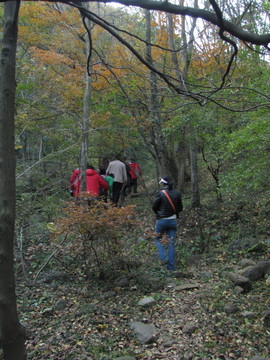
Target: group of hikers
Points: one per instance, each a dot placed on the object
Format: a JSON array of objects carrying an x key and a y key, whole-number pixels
[{"x": 119, "y": 178}]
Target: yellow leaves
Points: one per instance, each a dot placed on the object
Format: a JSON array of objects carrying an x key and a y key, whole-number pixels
[
  {"x": 101, "y": 327},
  {"x": 51, "y": 226}
]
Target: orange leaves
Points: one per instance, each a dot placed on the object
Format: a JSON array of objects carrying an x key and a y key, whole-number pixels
[{"x": 91, "y": 227}]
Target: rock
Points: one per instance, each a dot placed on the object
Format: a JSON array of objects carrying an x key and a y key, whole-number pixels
[
  {"x": 146, "y": 301},
  {"x": 126, "y": 358},
  {"x": 189, "y": 328},
  {"x": 121, "y": 281},
  {"x": 268, "y": 281},
  {"x": 265, "y": 264},
  {"x": 241, "y": 281},
  {"x": 230, "y": 308},
  {"x": 167, "y": 341},
  {"x": 60, "y": 305},
  {"x": 187, "y": 287},
  {"x": 146, "y": 333},
  {"x": 239, "y": 290},
  {"x": 258, "y": 358},
  {"x": 248, "y": 314},
  {"x": 266, "y": 318},
  {"x": 253, "y": 272},
  {"x": 169, "y": 283},
  {"x": 153, "y": 283},
  {"x": 247, "y": 262}
]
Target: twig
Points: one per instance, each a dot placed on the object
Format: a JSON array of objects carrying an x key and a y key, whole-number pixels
[{"x": 49, "y": 259}]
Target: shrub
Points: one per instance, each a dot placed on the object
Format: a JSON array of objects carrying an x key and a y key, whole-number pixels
[{"x": 93, "y": 231}]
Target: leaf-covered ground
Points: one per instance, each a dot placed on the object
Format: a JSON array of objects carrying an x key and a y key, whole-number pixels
[{"x": 76, "y": 318}]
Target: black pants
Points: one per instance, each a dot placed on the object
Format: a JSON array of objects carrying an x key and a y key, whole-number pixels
[
  {"x": 117, "y": 187},
  {"x": 134, "y": 184}
]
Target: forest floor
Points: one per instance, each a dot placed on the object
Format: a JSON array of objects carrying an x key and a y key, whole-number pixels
[{"x": 68, "y": 316}]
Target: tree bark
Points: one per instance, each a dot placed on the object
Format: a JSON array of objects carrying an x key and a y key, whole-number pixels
[
  {"x": 12, "y": 335},
  {"x": 181, "y": 152},
  {"x": 165, "y": 163},
  {"x": 195, "y": 202},
  {"x": 86, "y": 108}
]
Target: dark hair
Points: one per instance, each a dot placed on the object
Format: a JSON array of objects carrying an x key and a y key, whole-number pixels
[
  {"x": 102, "y": 171},
  {"x": 111, "y": 175},
  {"x": 90, "y": 167},
  {"x": 169, "y": 181}
]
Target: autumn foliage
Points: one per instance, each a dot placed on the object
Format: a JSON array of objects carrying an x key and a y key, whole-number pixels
[{"x": 93, "y": 231}]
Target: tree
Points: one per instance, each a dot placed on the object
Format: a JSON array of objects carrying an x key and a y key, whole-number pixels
[
  {"x": 12, "y": 335},
  {"x": 196, "y": 92},
  {"x": 86, "y": 106}
]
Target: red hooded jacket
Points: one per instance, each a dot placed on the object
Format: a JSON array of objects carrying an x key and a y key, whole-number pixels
[
  {"x": 93, "y": 182},
  {"x": 73, "y": 180},
  {"x": 135, "y": 170}
]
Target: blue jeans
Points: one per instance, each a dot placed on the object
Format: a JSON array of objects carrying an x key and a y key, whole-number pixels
[{"x": 168, "y": 227}]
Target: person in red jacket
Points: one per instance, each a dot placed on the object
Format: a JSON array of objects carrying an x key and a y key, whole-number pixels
[
  {"x": 93, "y": 182},
  {"x": 73, "y": 180},
  {"x": 135, "y": 172}
]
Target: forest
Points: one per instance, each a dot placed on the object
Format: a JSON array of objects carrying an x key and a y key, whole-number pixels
[{"x": 180, "y": 87}]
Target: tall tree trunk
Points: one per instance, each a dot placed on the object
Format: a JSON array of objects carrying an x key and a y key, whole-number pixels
[
  {"x": 181, "y": 155},
  {"x": 182, "y": 77},
  {"x": 158, "y": 139},
  {"x": 195, "y": 202},
  {"x": 86, "y": 107},
  {"x": 12, "y": 335}
]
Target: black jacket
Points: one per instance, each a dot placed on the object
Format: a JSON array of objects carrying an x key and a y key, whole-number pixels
[{"x": 162, "y": 206}]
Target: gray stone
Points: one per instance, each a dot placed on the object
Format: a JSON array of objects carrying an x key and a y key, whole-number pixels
[
  {"x": 265, "y": 264},
  {"x": 239, "y": 290},
  {"x": 266, "y": 319},
  {"x": 230, "y": 308},
  {"x": 247, "y": 262},
  {"x": 153, "y": 283},
  {"x": 186, "y": 287},
  {"x": 146, "y": 333},
  {"x": 167, "y": 341},
  {"x": 146, "y": 301},
  {"x": 126, "y": 358},
  {"x": 248, "y": 314},
  {"x": 169, "y": 283},
  {"x": 253, "y": 272},
  {"x": 259, "y": 358},
  {"x": 189, "y": 328},
  {"x": 240, "y": 280},
  {"x": 122, "y": 281}
]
